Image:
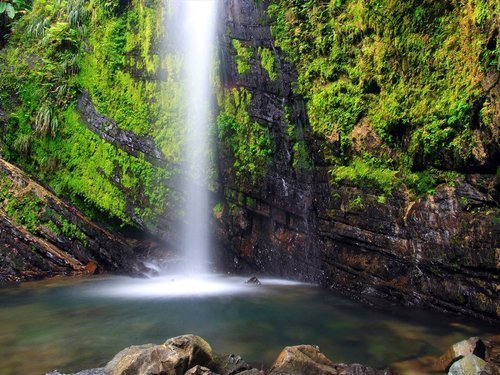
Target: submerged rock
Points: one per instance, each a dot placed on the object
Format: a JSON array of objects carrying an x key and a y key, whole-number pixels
[
  {"x": 253, "y": 280},
  {"x": 487, "y": 350},
  {"x": 493, "y": 353}
]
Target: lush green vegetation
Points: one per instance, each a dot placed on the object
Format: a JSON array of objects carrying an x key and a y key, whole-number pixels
[
  {"x": 249, "y": 142},
  {"x": 412, "y": 70},
  {"x": 63, "y": 47}
]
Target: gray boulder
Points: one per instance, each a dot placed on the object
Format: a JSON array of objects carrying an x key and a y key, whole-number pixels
[
  {"x": 473, "y": 345},
  {"x": 469, "y": 365},
  {"x": 94, "y": 371},
  {"x": 307, "y": 359},
  {"x": 230, "y": 364},
  {"x": 200, "y": 370},
  {"x": 175, "y": 357},
  {"x": 253, "y": 371}
]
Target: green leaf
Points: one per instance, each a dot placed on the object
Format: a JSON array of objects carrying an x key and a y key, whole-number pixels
[
  {"x": 11, "y": 12},
  {"x": 2, "y": 7}
]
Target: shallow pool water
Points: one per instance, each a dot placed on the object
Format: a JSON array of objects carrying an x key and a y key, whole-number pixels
[{"x": 76, "y": 324}]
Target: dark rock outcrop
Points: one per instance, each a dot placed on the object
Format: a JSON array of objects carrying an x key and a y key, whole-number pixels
[
  {"x": 230, "y": 365},
  {"x": 253, "y": 280},
  {"x": 26, "y": 257},
  {"x": 108, "y": 130},
  {"x": 84, "y": 247},
  {"x": 439, "y": 251},
  {"x": 270, "y": 222}
]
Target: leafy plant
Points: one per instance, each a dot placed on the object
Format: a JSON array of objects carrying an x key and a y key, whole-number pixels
[
  {"x": 243, "y": 56},
  {"x": 13, "y": 7},
  {"x": 46, "y": 121},
  {"x": 8, "y": 9},
  {"x": 268, "y": 62}
]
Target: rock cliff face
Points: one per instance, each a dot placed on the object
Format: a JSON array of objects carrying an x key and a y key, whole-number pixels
[{"x": 440, "y": 250}]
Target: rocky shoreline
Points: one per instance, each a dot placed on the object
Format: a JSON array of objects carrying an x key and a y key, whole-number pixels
[{"x": 192, "y": 355}]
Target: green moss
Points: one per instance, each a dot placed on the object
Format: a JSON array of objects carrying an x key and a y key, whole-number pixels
[
  {"x": 42, "y": 62},
  {"x": 301, "y": 159},
  {"x": 368, "y": 173},
  {"x": 269, "y": 62},
  {"x": 71, "y": 231},
  {"x": 122, "y": 74},
  {"x": 355, "y": 204},
  {"x": 425, "y": 182},
  {"x": 24, "y": 210},
  {"x": 249, "y": 142},
  {"x": 412, "y": 70},
  {"x": 121, "y": 50},
  {"x": 243, "y": 56}
]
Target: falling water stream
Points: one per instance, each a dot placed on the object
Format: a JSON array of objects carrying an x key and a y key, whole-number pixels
[{"x": 196, "y": 41}]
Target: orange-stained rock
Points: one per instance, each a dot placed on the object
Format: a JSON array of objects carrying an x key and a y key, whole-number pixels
[{"x": 91, "y": 268}]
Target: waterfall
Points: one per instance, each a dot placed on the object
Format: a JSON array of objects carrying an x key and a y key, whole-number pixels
[{"x": 195, "y": 35}]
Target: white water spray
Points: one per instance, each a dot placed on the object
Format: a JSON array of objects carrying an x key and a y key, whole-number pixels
[{"x": 196, "y": 35}]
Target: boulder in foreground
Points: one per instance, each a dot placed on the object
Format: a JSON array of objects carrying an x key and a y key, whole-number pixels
[
  {"x": 192, "y": 355},
  {"x": 307, "y": 359},
  {"x": 175, "y": 357},
  {"x": 473, "y": 345}
]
